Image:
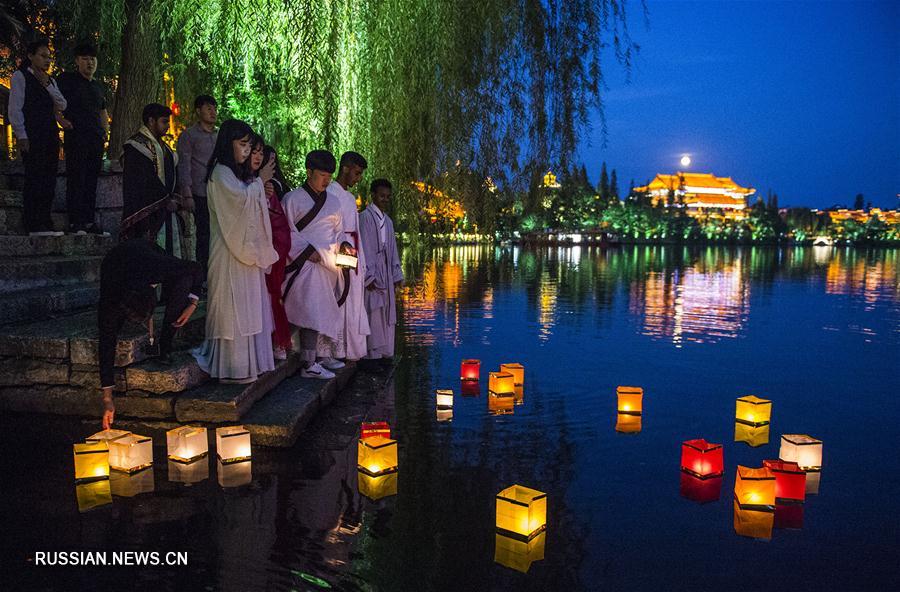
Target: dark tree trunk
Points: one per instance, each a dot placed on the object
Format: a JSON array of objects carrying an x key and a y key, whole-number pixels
[{"x": 139, "y": 73}]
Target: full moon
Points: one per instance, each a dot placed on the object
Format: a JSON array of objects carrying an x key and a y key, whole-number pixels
[{"x": 685, "y": 161}]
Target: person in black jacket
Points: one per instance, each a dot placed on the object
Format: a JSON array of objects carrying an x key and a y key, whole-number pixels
[{"x": 129, "y": 275}]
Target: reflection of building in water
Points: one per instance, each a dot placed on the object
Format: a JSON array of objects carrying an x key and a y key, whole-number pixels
[
  {"x": 696, "y": 304},
  {"x": 546, "y": 306},
  {"x": 874, "y": 280}
]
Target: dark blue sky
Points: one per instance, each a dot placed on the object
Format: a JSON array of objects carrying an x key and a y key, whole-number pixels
[{"x": 799, "y": 97}]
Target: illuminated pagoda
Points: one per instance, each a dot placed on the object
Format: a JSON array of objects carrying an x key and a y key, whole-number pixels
[{"x": 699, "y": 192}]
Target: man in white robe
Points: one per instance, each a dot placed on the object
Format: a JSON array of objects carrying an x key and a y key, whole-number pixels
[
  {"x": 354, "y": 323},
  {"x": 311, "y": 275},
  {"x": 383, "y": 273}
]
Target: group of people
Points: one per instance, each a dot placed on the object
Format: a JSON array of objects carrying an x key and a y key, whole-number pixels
[{"x": 282, "y": 268}]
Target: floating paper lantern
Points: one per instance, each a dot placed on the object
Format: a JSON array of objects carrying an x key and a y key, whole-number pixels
[
  {"x": 470, "y": 388},
  {"x": 192, "y": 472},
  {"x": 753, "y": 523},
  {"x": 789, "y": 516},
  {"x": 802, "y": 449},
  {"x": 233, "y": 444},
  {"x": 521, "y": 512},
  {"x": 501, "y": 383},
  {"x": 628, "y": 424},
  {"x": 517, "y": 371},
  {"x": 107, "y": 436},
  {"x": 93, "y": 495},
  {"x": 234, "y": 474},
  {"x": 700, "y": 490},
  {"x": 517, "y": 554},
  {"x": 444, "y": 414},
  {"x": 501, "y": 403},
  {"x": 91, "y": 461},
  {"x": 131, "y": 484},
  {"x": 630, "y": 399},
  {"x": 702, "y": 459},
  {"x": 790, "y": 480},
  {"x": 755, "y": 488},
  {"x": 131, "y": 453},
  {"x": 187, "y": 443},
  {"x": 753, "y": 411},
  {"x": 752, "y": 436},
  {"x": 470, "y": 370},
  {"x": 376, "y": 487},
  {"x": 374, "y": 428},
  {"x": 377, "y": 455},
  {"x": 444, "y": 398}
]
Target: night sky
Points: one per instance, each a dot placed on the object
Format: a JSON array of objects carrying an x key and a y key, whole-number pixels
[{"x": 802, "y": 98}]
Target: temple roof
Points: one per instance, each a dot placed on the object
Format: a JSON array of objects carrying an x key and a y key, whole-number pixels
[{"x": 699, "y": 180}]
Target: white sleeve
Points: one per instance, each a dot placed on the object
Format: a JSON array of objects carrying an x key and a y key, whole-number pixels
[
  {"x": 16, "y": 101},
  {"x": 59, "y": 101}
]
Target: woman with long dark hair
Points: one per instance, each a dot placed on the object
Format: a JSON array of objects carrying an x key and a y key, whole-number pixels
[{"x": 238, "y": 345}]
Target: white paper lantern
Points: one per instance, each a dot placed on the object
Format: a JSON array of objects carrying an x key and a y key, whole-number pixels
[
  {"x": 232, "y": 444},
  {"x": 187, "y": 443},
  {"x": 130, "y": 453},
  {"x": 802, "y": 449},
  {"x": 444, "y": 398}
]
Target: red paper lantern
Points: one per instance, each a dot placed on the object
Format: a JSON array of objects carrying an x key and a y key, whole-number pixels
[
  {"x": 702, "y": 459},
  {"x": 374, "y": 428},
  {"x": 789, "y": 516},
  {"x": 700, "y": 490},
  {"x": 790, "y": 480},
  {"x": 470, "y": 370}
]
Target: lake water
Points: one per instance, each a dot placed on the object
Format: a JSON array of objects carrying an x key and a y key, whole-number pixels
[{"x": 815, "y": 330}]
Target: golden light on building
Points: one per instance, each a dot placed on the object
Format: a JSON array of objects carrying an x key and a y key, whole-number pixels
[
  {"x": 518, "y": 554},
  {"x": 501, "y": 383},
  {"x": 802, "y": 449},
  {"x": 192, "y": 472},
  {"x": 377, "y": 455},
  {"x": 131, "y": 453},
  {"x": 754, "y": 488},
  {"x": 233, "y": 444},
  {"x": 444, "y": 398},
  {"x": 630, "y": 400},
  {"x": 131, "y": 484},
  {"x": 697, "y": 193},
  {"x": 521, "y": 512},
  {"x": 517, "y": 371},
  {"x": 234, "y": 474},
  {"x": 187, "y": 443},
  {"x": 628, "y": 424},
  {"x": 753, "y": 411},
  {"x": 91, "y": 461},
  {"x": 752, "y": 523},
  {"x": 750, "y": 435},
  {"x": 376, "y": 487},
  {"x": 93, "y": 495}
]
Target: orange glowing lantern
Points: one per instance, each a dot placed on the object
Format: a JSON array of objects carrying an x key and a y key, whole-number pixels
[
  {"x": 517, "y": 371},
  {"x": 630, "y": 399},
  {"x": 517, "y": 554},
  {"x": 628, "y": 424},
  {"x": 521, "y": 512},
  {"x": 376, "y": 455},
  {"x": 501, "y": 383},
  {"x": 376, "y": 487},
  {"x": 802, "y": 449},
  {"x": 91, "y": 461},
  {"x": 470, "y": 370},
  {"x": 374, "y": 428},
  {"x": 754, "y": 489},
  {"x": 700, "y": 490},
  {"x": 753, "y": 411},
  {"x": 790, "y": 480},
  {"x": 752, "y": 436},
  {"x": 753, "y": 523},
  {"x": 702, "y": 459}
]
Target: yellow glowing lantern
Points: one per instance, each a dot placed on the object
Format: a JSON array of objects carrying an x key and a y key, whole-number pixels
[
  {"x": 753, "y": 523},
  {"x": 376, "y": 487},
  {"x": 377, "y": 455},
  {"x": 630, "y": 399},
  {"x": 234, "y": 474},
  {"x": 187, "y": 443},
  {"x": 521, "y": 512},
  {"x": 91, "y": 461},
  {"x": 232, "y": 444},
  {"x": 131, "y": 453},
  {"x": 501, "y": 403},
  {"x": 107, "y": 436},
  {"x": 501, "y": 383},
  {"x": 802, "y": 449},
  {"x": 517, "y": 554},
  {"x": 192, "y": 472},
  {"x": 445, "y": 414},
  {"x": 93, "y": 495},
  {"x": 750, "y": 435},
  {"x": 628, "y": 424},
  {"x": 755, "y": 488},
  {"x": 444, "y": 398},
  {"x": 517, "y": 371},
  {"x": 753, "y": 411},
  {"x": 131, "y": 484}
]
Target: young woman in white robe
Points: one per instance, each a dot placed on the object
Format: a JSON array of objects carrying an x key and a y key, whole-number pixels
[{"x": 238, "y": 345}]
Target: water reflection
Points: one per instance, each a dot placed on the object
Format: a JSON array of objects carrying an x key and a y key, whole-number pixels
[
  {"x": 789, "y": 516},
  {"x": 130, "y": 485},
  {"x": 376, "y": 487},
  {"x": 627, "y": 423},
  {"x": 700, "y": 490},
  {"x": 234, "y": 474},
  {"x": 753, "y": 523},
  {"x": 93, "y": 495},
  {"x": 192, "y": 472},
  {"x": 751, "y": 435},
  {"x": 517, "y": 554}
]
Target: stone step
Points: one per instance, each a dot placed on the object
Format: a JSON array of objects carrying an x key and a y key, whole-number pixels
[
  {"x": 155, "y": 378},
  {"x": 37, "y": 304},
  {"x": 67, "y": 245},
  {"x": 22, "y": 273},
  {"x": 72, "y": 400},
  {"x": 216, "y": 402}
]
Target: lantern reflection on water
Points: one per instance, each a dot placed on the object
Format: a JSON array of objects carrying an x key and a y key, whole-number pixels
[
  {"x": 630, "y": 399},
  {"x": 802, "y": 449},
  {"x": 753, "y": 411},
  {"x": 700, "y": 490},
  {"x": 517, "y": 554},
  {"x": 789, "y": 516},
  {"x": 233, "y": 444},
  {"x": 374, "y": 428},
  {"x": 234, "y": 474},
  {"x": 470, "y": 388},
  {"x": 519, "y": 394},
  {"x": 187, "y": 443},
  {"x": 813, "y": 479},
  {"x": 754, "y": 488},
  {"x": 444, "y": 398},
  {"x": 702, "y": 459},
  {"x": 376, "y": 487},
  {"x": 752, "y": 436},
  {"x": 628, "y": 424},
  {"x": 790, "y": 480},
  {"x": 521, "y": 512},
  {"x": 517, "y": 371},
  {"x": 130, "y": 453},
  {"x": 93, "y": 495},
  {"x": 501, "y": 403},
  {"x": 376, "y": 455},
  {"x": 192, "y": 472},
  {"x": 470, "y": 370},
  {"x": 131, "y": 484},
  {"x": 444, "y": 414},
  {"x": 753, "y": 523},
  {"x": 91, "y": 461},
  {"x": 501, "y": 383}
]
